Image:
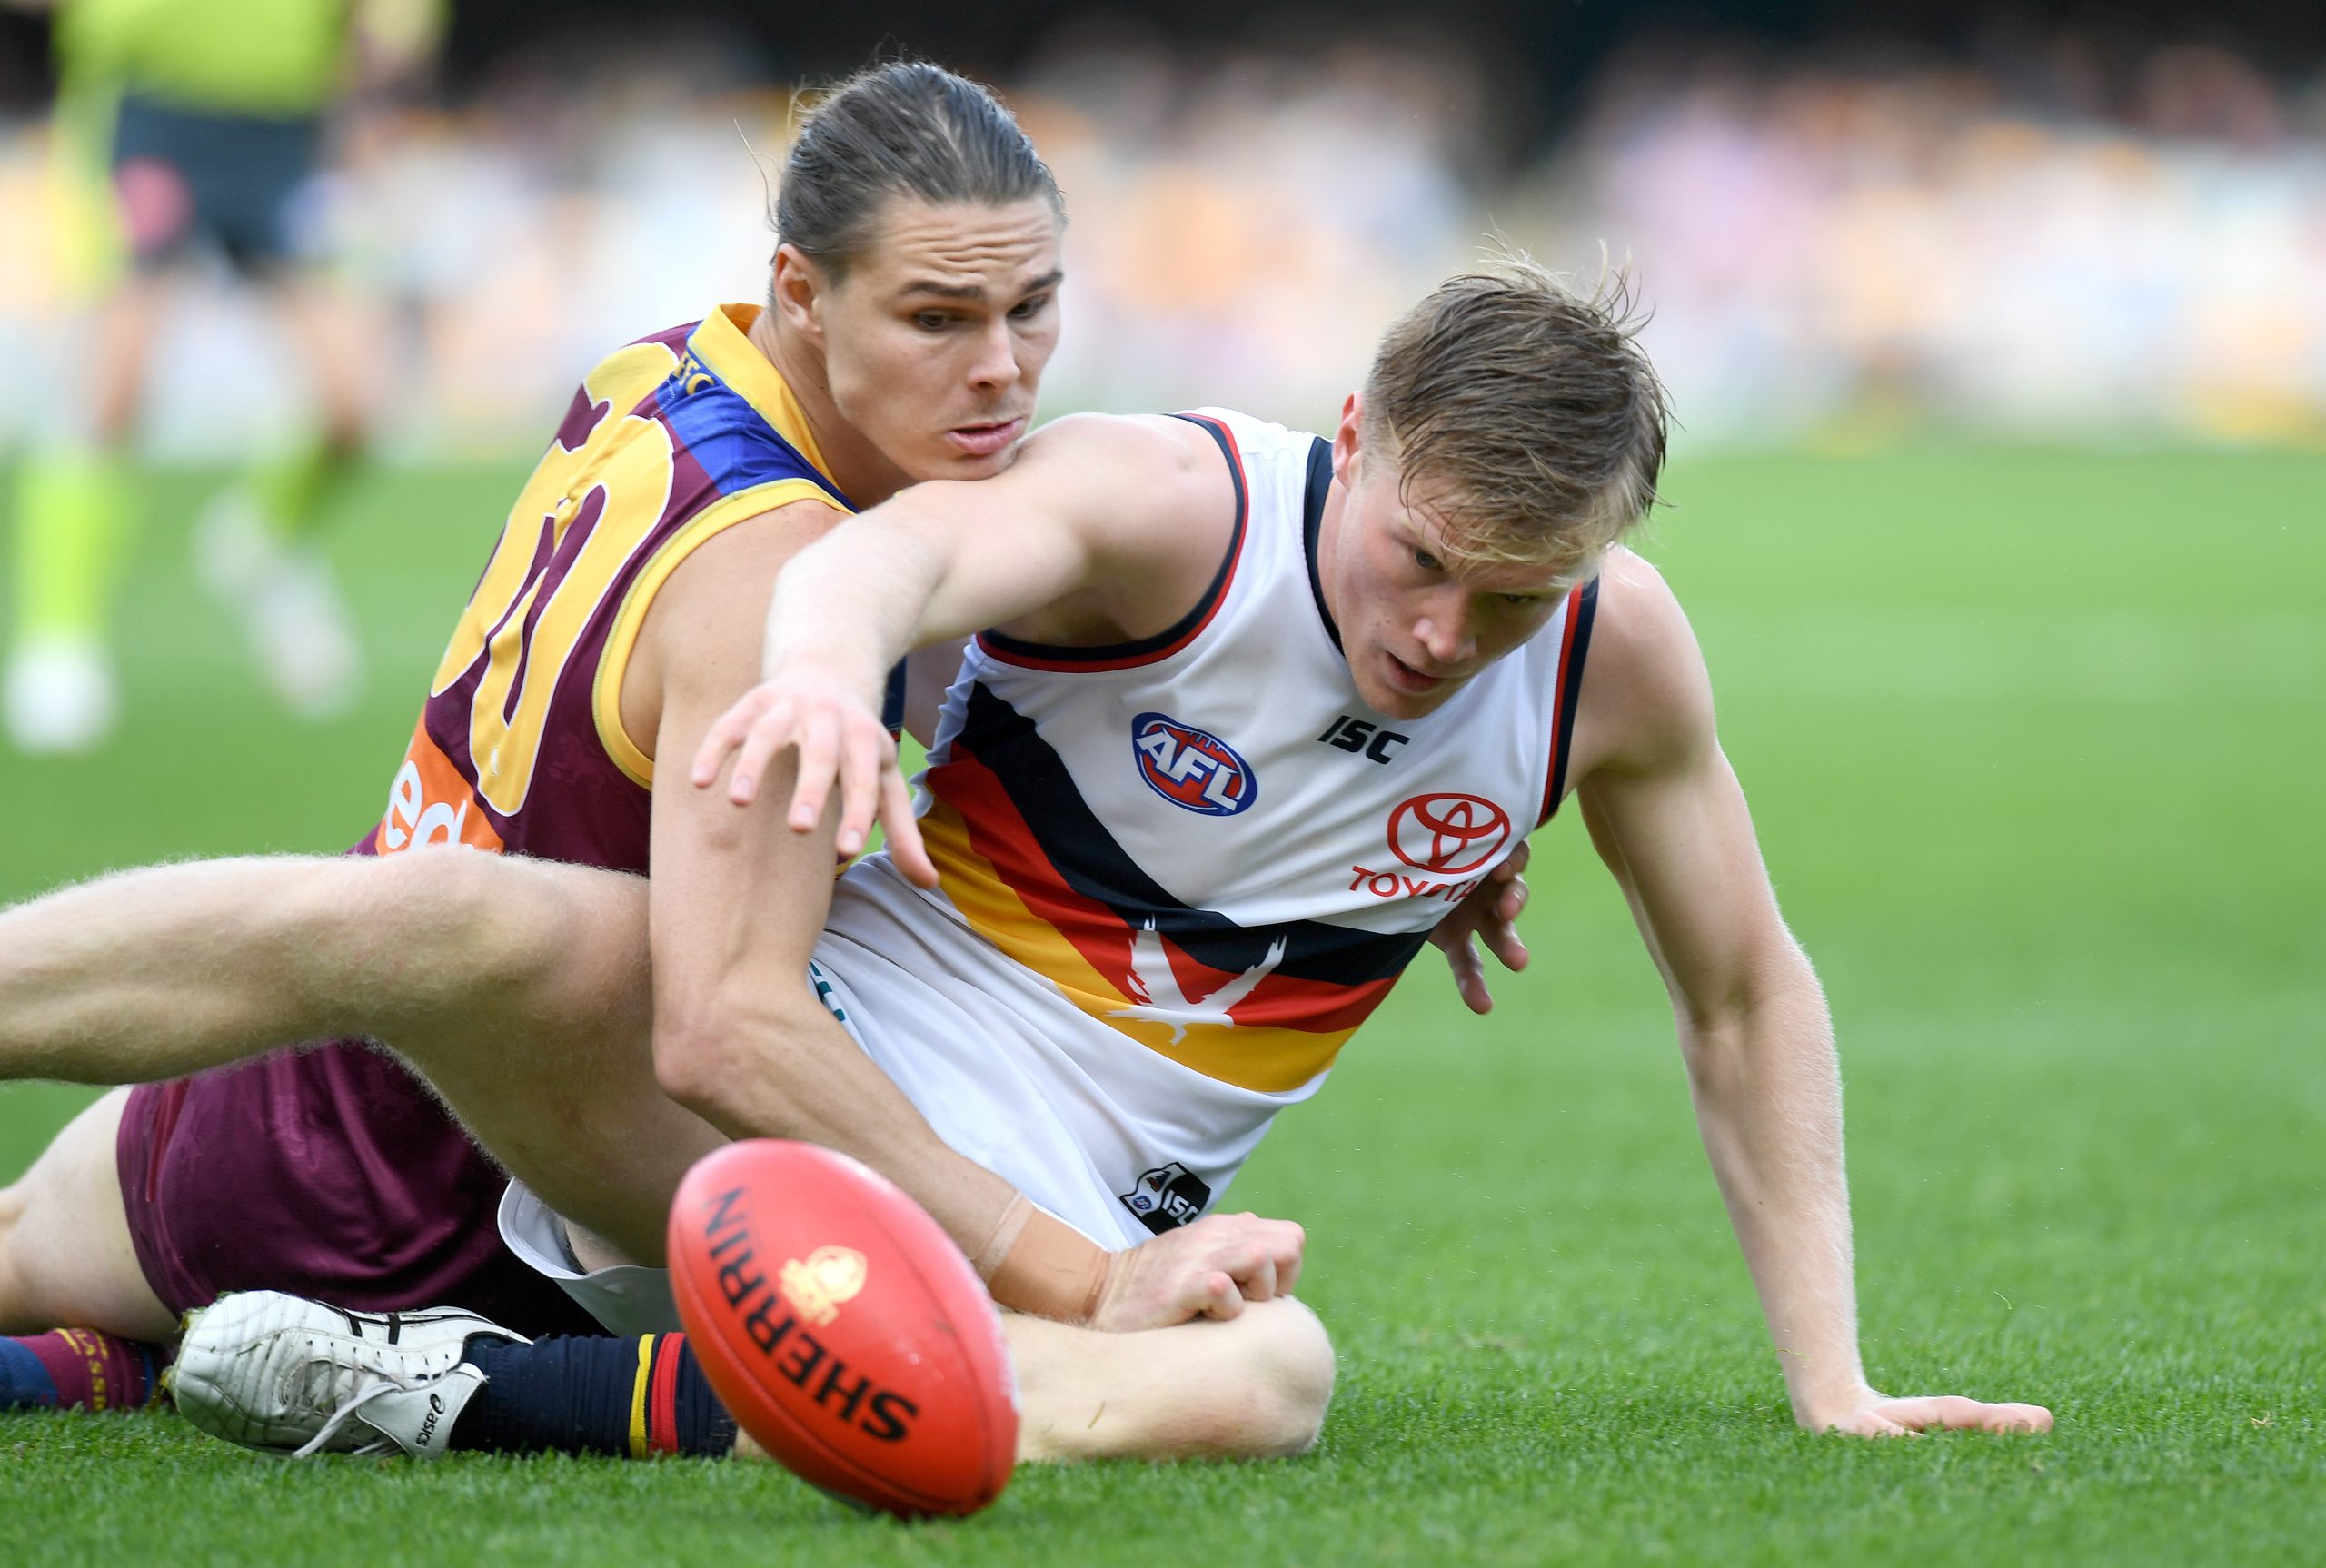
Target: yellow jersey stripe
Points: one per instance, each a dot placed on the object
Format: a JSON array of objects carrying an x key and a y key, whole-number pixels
[
  {"x": 1270, "y": 1060},
  {"x": 636, "y": 762},
  {"x": 723, "y": 343}
]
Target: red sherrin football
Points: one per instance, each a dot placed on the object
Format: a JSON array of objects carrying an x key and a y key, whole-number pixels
[{"x": 846, "y": 1331}]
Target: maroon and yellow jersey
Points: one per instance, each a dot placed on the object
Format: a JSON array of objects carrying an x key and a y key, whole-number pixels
[{"x": 521, "y": 746}]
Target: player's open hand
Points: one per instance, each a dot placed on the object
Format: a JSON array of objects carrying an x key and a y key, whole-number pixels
[
  {"x": 1872, "y": 1414},
  {"x": 1207, "y": 1269},
  {"x": 840, "y": 741},
  {"x": 1490, "y": 910}
]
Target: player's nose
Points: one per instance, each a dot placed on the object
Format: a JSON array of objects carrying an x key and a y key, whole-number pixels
[
  {"x": 995, "y": 365},
  {"x": 1445, "y": 636}
]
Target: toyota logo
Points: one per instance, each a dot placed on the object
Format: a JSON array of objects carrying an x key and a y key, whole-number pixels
[{"x": 1448, "y": 833}]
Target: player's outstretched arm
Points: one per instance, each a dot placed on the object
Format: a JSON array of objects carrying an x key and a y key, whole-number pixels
[
  {"x": 738, "y": 901},
  {"x": 1666, "y": 813},
  {"x": 1104, "y": 529}
]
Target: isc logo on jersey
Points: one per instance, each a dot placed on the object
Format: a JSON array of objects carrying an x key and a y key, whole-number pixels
[{"x": 1190, "y": 767}]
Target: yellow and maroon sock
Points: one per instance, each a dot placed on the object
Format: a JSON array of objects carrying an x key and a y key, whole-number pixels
[
  {"x": 636, "y": 1396},
  {"x": 79, "y": 1369}
]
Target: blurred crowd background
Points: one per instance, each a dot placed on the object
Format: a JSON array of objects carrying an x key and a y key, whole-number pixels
[{"x": 2046, "y": 223}]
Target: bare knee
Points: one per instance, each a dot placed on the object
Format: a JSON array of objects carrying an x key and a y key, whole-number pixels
[
  {"x": 15, "y": 1314},
  {"x": 1282, "y": 1384}
]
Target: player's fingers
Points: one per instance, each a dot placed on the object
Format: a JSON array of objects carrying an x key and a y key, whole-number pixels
[
  {"x": 1514, "y": 863},
  {"x": 771, "y": 732},
  {"x": 2009, "y": 1417},
  {"x": 726, "y": 733},
  {"x": 1954, "y": 1412},
  {"x": 1469, "y": 974},
  {"x": 907, "y": 849},
  {"x": 1512, "y": 901},
  {"x": 1471, "y": 981},
  {"x": 1291, "y": 1250},
  {"x": 859, "y": 788},
  {"x": 819, "y": 765},
  {"x": 1247, "y": 1262},
  {"x": 1220, "y": 1299},
  {"x": 1503, "y": 941}
]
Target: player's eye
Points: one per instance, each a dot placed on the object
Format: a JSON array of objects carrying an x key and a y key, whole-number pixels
[
  {"x": 1025, "y": 310},
  {"x": 1521, "y": 599},
  {"x": 932, "y": 320},
  {"x": 1426, "y": 560}
]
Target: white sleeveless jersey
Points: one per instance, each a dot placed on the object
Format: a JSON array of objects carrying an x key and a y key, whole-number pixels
[{"x": 1178, "y": 873}]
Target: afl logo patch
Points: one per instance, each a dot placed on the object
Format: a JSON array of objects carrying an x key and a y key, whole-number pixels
[
  {"x": 1190, "y": 767},
  {"x": 1448, "y": 833}
]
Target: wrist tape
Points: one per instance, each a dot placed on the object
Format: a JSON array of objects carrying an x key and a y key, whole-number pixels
[{"x": 1034, "y": 1264}]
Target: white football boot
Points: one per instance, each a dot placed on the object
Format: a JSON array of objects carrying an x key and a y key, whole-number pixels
[
  {"x": 59, "y": 697},
  {"x": 290, "y": 1376}
]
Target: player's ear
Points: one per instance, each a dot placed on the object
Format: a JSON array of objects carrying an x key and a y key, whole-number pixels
[
  {"x": 795, "y": 290},
  {"x": 1348, "y": 440}
]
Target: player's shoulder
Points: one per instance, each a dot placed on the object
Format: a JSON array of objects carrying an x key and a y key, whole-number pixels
[
  {"x": 1150, "y": 499},
  {"x": 1156, "y": 444},
  {"x": 673, "y": 341},
  {"x": 1646, "y": 699},
  {"x": 1123, "y": 472},
  {"x": 1639, "y": 616},
  {"x": 705, "y": 621}
]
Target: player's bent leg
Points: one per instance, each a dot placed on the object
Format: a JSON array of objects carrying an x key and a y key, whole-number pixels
[
  {"x": 287, "y": 1375},
  {"x": 277, "y": 1372},
  {"x": 1254, "y": 1386},
  {"x": 65, "y": 1257}
]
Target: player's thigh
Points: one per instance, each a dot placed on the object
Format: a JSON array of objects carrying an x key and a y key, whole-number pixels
[
  {"x": 447, "y": 943},
  {"x": 1254, "y": 1386},
  {"x": 65, "y": 1257}
]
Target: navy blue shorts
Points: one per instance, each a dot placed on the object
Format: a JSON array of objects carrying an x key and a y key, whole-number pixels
[{"x": 241, "y": 182}]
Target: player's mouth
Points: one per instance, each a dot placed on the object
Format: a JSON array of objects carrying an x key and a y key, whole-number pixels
[
  {"x": 984, "y": 440},
  {"x": 1404, "y": 677}
]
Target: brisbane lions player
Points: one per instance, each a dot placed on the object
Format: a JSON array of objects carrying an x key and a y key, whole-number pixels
[
  {"x": 911, "y": 311},
  {"x": 1249, "y": 710}
]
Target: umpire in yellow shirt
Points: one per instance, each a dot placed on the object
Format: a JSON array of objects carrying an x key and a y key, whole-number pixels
[{"x": 185, "y": 128}]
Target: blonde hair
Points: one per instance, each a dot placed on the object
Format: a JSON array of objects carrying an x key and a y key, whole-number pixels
[{"x": 1524, "y": 418}]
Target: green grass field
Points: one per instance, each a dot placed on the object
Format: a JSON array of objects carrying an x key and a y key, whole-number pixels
[{"x": 2034, "y": 744}]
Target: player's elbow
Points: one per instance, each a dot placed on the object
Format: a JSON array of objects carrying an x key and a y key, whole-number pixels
[
  {"x": 694, "y": 1062},
  {"x": 718, "y": 1048},
  {"x": 1725, "y": 1005}
]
